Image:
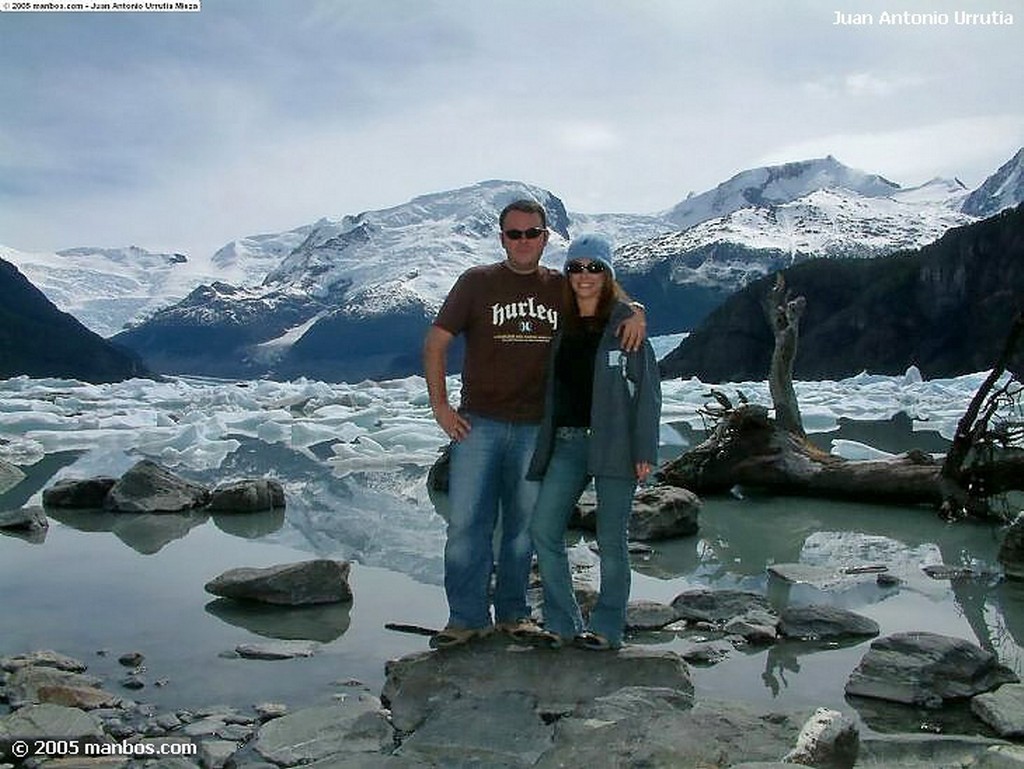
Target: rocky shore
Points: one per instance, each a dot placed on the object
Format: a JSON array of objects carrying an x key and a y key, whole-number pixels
[{"x": 501, "y": 703}]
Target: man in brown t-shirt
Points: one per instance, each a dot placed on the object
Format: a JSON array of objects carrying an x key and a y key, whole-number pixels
[{"x": 508, "y": 313}]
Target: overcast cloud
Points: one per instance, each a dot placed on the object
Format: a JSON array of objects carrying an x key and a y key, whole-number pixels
[{"x": 177, "y": 131}]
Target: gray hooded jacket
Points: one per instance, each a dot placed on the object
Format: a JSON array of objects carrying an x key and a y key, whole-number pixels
[{"x": 625, "y": 411}]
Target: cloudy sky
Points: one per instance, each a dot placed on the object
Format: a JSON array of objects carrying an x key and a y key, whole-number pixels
[{"x": 182, "y": 131}]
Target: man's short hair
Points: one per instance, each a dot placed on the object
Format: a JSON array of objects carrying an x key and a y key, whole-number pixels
[{"x": 526, "y": 206}]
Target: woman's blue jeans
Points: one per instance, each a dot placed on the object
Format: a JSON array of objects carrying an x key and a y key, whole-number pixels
[
  {"x": 487, "y": 475},
  {"x": 565, "y": 479}
]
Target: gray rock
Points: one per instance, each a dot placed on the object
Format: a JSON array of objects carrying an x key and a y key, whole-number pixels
[
  {"x": 53, "y": 721},
  {"x": 82, "y": 697},
  {"x": 756, "y": 626},
  {"x": 267, "y": 711},
  {"x": 1001, "y": 757},
  {"x": 665, "y": 734},
  {"x": 78, "y": 493},
  {"x": 44, "y": 658},
  {"x": 10, "y": 475},
  {"x": 1002, "y": 709},
  {"x": 24, "y": 684},
  {"x": 664, "y": 512},
  {"x": 829, "y": 740},
  {"x": 131, "y": 659},
  {"x": 824, "y": 622},
  {"x": 25, "y": 519},
  {"x": 251, "y": 495},
  {"x": 462, "y": 733},
  {"x": 649, "y": 615},
  {"x": 151, "y": 488},
  {"x": 821, "y": 577},
  {"x": 354, "y": 726},
  {"x": 926, "y": 669},
  {"x": 706, "y": 652},
  {"x": 659, "y": 512},
  {"x": 277, "y": 650},
  {"x": 927, "y": 751},
  {"x": 717, "y": 607},
  {"x": 1011, "y": 550},
  {"x": 213, "y": 754},
  {"x": 296, "y": 584},
  {"x": 418, "y": 684}
]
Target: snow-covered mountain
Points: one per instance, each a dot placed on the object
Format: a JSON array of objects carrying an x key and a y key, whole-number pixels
[
  {"x": 732, "y": 250},
  {"x": 774, "y": 185},
  {"x": 352, "y": 282},
  {"x": 106, "y": 288},
  {"x": 350, "y": 297},
  {"x": 1003, "y": 189}
]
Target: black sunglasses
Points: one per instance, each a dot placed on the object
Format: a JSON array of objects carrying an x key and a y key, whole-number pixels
[
  {"x": 593, "y": 268},
  {"x": 530, "y": 234}
]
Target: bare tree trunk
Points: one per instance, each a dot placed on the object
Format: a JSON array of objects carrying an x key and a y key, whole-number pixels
[
  {"x": 747, "y": 448},
  {"x": 965, "y": 487},
  {"x": 784, "y": 316}
]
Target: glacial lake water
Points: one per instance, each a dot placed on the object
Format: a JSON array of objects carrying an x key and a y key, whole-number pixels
[{"x": 100, "y": 585}]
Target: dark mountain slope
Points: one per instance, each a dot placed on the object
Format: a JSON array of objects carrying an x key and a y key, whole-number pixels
[
  {"x": 38, "y": 340},
  {"x": 945, "y": 308}
]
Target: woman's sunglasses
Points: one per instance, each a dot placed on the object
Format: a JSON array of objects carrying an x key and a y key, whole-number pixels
[
  {"x": 531, "y": 234},
  {"x": 593, "y": 267}
]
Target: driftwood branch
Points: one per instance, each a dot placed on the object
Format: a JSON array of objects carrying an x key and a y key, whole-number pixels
[{"x": 746, "y": 447}]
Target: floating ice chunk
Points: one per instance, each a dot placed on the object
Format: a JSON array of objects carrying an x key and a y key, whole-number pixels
[
  {"x": 274, "y": 432},
  {"x": 856, "y": 450},
  {"x": 912, "y": 376}
]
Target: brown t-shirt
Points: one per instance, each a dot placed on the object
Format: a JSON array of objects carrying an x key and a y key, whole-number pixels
[{"x": 508, "y": 321}]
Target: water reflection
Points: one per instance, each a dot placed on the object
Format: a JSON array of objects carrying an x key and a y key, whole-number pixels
[
  {"x": 288, "y": 623},
  {"x": 145, "y": 533},
  {"x": 386, "y": 518},
  {"x": 250, "y": 525}
]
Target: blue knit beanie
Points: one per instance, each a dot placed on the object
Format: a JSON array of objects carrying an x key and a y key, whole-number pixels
[{"x": 590, "y": 245}]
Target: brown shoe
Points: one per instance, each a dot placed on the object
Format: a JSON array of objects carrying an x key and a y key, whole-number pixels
[
  {"x": 457, "y": 636},
  {"x": 527, "y": 631}
]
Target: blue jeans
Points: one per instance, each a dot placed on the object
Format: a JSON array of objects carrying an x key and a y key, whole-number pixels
[
  {"x": 565, "y": 479},
  {"x": 487, "y": 475}
]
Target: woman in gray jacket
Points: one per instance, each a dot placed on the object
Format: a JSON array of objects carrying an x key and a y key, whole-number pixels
[{"x": 600, "y": 421}]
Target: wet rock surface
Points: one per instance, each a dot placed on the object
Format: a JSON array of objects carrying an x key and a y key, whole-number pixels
[{"x": 926, "y": 669}]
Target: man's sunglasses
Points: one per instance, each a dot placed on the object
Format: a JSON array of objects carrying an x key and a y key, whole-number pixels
[
  {"x": 531, "y": 234},
  {"x": 594, "y": 268}
]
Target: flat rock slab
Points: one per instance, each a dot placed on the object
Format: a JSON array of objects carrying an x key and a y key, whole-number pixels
[
  {"x": 53, "y": 721},
  {"x": 926, "y": 669},
  {"x": 355, "y": 726},
  {"x": 44, "y": 658},
  {"x": 25, "y": 519},
  {"x": 649, "y": 615},
  {"x": 660, "y": 734},
  {"x": 277, "y": 650},
  {"x": 817, "y": 622},
  {"x": 418, "y": 684},
  {"x": 294, "y": 584},
  {"x": 26, "y": 684},
  {"x": 717, "y": 606},
  {"x": 1002, "y": 709},
  {"x": 463, "y": 733}
]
